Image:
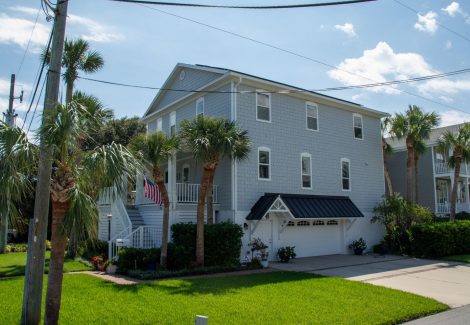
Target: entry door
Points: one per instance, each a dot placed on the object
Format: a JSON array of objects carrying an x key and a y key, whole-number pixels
[{"x": 442, "y": 194}]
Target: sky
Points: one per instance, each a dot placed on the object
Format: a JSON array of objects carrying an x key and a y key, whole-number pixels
[{"x": 334, "y": 46}]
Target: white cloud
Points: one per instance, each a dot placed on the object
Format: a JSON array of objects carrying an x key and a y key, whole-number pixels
[
  {"x": 25, "y": 10},
  {"x": 448, "y": 45},
  {"x": 94, "y": 31},
  {"x": 379, "y": 65},
  {"x": 444, "y": 86},
  {"x": 357, "y": 97},
  {"x": 453, "y": 117},
  {"x": 18, "y": 31},
  {"x": 427, "y": 23},
  {"x": 347, "y": 28},
  {"x": 452, "y": 9},
  {"x": 446, "y": 99}
]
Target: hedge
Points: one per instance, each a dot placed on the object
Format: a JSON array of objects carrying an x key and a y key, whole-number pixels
[
  {"x": 439, "y": 239},
  {"x": 222, "y": 242}
]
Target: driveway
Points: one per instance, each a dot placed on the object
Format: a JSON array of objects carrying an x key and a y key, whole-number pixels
[{"x": 448, "y": 282}]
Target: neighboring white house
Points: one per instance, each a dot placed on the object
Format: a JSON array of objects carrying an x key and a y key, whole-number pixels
[
  {"x": 435, "y": 177},
  {"x": 311, "y": 180}
]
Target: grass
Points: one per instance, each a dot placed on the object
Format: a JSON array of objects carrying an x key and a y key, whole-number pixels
[
  {"x": 13, "y": 264},
  {"x": 269, "y": 298},
  {"x": 459, "y": 258}
]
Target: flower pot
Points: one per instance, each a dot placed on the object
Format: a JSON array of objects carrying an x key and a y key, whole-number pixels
[
  {"x": 358, "y": 251},
  {"x": 264, "y": 263},
  {"x": 111, "y": 269}
]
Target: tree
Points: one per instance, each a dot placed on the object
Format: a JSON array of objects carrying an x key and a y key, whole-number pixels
[
  {"x": 459, "y": 143},
  {"x": 415, "y": 127},
  {"x": 155, "y": 150},
  {"x": 77, "y": 178},
  {"x": 387, "y": 150},
  {"x": 77, "y": 57},
  {"x": 18, "y": 158},
  {"x": 211, "y": 140}
]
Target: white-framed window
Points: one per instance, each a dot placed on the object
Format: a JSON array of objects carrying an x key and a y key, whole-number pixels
[
  {"x": 303, "y": 223},
  {"x": 173, "y": 123},
  {"x": 318, "y": 223},
  {"x": 159, "y": 124},
  {"x": 306, "y": 170},
  {"x": 185, "y": 173},
  {"x": 345, "y": 174},
  {"x": 263, "y": 106},
  {"x": 332, "y": 223},
  {"x": 166, "y": 176},
  {"x": 291, "y": 224},
  {"x": 264, "y": 164},
  {"x": 311, "y": 113},
  {"x": 200, "y": 106},
  {"x": 358, "y": 126}
]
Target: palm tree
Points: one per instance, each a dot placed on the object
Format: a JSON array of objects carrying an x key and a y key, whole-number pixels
[
  {"x": 211, "y": 140},
  {"x": 18, "y": 159},
  {"x": 155, "y": 149},
  {"x": 387, "y": 150},
  {"x": 77, "y": 178},
  {"x": 77, "y": 57},
  {"x": 415, "y": 127},
  {"x": 459, "y": 143}
]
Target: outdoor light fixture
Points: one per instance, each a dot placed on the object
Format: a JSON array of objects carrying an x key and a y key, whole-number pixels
[
  {"x": 109, "y": 216},
  {"x": 245, "y": 226}
]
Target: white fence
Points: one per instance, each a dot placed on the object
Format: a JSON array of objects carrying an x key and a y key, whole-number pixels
[
  {"x": 189, "y": 193},
  {"x": 441, "y": 167}
]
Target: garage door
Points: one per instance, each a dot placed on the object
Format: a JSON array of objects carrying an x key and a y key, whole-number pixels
[{"x": 311, "y": 238}]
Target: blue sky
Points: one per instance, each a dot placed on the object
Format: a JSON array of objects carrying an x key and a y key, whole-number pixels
[{"x": 380, "y": 40}]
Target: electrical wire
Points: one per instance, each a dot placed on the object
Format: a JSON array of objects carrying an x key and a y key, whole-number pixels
[
  {"x": 295, "y": 6},
  {"x": 37, "y": 102},
  {"x": 294, "y": 54},
  {"x": 29, "y": 42}
]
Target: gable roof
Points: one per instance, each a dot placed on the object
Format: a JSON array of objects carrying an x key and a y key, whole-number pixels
[{"x": 307, "y": 206}]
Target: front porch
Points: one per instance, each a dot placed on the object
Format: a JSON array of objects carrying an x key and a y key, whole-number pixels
[{"x": 443, "y": 194}]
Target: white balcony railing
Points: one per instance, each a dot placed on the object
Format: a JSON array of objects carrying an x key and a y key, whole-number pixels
[
  {"x": 443, "y": 208},
  {"x": 441, "y": 167},
  {"x": 189, "y": 193}
]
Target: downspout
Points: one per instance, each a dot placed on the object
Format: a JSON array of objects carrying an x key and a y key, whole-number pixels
[{"x": 234, "y": 89}]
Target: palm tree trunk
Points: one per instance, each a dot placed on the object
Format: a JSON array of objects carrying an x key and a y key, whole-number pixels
[
  {"x": 388, "y": 180},
  {"x": 453, "y": 196},
  {"x": 166, "y": 215},
  {"x": 56, "y": 265},
  {"x": 410, "y": 188},
  {"x": 210, "y": 206},
  {"x": 69, "y": 93},
  {"x": 3, "y": 233},
  {"x": 205, "y": 180},
  {"x": 415, "y": 177}
]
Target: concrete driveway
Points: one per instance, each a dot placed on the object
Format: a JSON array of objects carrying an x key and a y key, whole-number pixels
[{"x": 448, "y": 282}]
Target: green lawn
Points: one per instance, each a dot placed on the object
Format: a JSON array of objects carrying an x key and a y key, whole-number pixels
[
  {"x": 13, "y": 264},
  {"x": 269, "y": 298},
  {"x": 459, "y": 258}
]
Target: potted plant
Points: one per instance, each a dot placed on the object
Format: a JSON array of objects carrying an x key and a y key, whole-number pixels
[
  {"x": 258, "y": 251},
  {"x": 111, "y": 268},
  {"x": 358, "y": 246},
  {"x": 264, "y": 258},
  {"x": 286, "y": 253}
]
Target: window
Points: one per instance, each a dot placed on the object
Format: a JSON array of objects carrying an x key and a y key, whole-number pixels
[
  {"x": 345, "y": 174},
  {"x": 185, "y": 173},
  {"x": 166, "y": 176},
  {"x": 306, "y": 170},
  {"x": 318, "y": 223},
  {"x": 172, "y": 123},
  {"x": 303, "y": 223},
  {"x": 263, "y": 106},
  {"x": 312, "y": 116},
  {"x": 160, "y": 124},
  {"x": 332, "y": 223},
  {"x": 200, "y": 106},
  {"x": 290, "y": 224},
  {"x": 264, "y": 163},
  {"x": 357, "y": 122}
]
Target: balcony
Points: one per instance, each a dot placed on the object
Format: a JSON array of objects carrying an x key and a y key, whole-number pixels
[
  {"x": 441, "y": 167},
  {"x": 189, "y": 193},
  {"x": 443, "y": 208}
]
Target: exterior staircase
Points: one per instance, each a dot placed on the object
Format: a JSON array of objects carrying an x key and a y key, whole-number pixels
[{"x": 135, "y": 217}]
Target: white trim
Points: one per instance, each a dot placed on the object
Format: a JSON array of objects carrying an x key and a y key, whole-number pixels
[
  {"x": 315, "y": 106},
  {"x": 362, "y": 126},
  {"x": 349, "y": 174},
  {"x": 199, "y": 100},
  {"x": 264, "y": 92},
  {"x": 265, "y": 149},
  {"x": 172, "y": 122},
  {"x": 309, "y": 156},
  {"x": 434, "y": 179}
]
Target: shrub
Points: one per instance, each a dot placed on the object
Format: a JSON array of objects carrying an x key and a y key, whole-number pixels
[
  {"x": 440, "y": 239},
  {"x": 398, "y": 216},
  {"x": 18, "y": 248},
  {"x": 462, "y": 216},
  {"x": 358, "y": 244},
  {"x": 286, "y": 253},
  {"x": 222, "y": 242},
  {"x": 137, "y": 259},
  {"x": 380, "y": 248},
  {"x": 90, "y": 248}
]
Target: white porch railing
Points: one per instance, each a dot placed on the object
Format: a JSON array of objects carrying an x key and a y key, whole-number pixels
[
  {"x": 189, "y": 193},
  {"x": 145, "y": 237},
  {"x": 120, "y": 216},
  {"x": 443, "y": 208},
  {"x": 441, "y": 167}
]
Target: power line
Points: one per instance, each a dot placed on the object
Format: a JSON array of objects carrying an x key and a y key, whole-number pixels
[
  {"x": 37, "y": 103},
  {"x": 29, "y": 42},
  {"x": 295, "y": 6},
  {"x": 379, "y": 84},
  {"x": 292, "y": 53},
  {"x": 438, "y": 23}
]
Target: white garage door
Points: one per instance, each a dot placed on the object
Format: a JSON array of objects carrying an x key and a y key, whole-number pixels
[{"x": 311, "y": 238}]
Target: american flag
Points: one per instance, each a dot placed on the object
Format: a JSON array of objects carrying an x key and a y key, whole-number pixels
[{"x": 152, "y": 191}]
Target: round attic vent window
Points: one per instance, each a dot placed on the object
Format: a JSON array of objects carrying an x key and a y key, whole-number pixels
[{"x": 182, "y": 75}]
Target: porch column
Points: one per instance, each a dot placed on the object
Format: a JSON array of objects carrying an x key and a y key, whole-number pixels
[
  {"x": 172, "y": 181},
  {"x": 466, "y": 197},
  {"x": 139, "y": 189}
]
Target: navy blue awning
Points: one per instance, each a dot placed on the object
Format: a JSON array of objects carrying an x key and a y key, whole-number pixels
[{"x": 307, "y": 206}]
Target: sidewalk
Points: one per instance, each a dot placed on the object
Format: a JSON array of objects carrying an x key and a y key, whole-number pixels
[{"x": 457, "y": 316}]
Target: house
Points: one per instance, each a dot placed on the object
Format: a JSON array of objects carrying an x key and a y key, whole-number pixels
[
  {"x": 435, "y": 177},
  {"x": 312, "y": 178}
]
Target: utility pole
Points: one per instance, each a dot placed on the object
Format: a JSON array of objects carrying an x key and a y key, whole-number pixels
[
  {"x": 10, "y": 114},
  {"x": 33, "y": 282}
]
